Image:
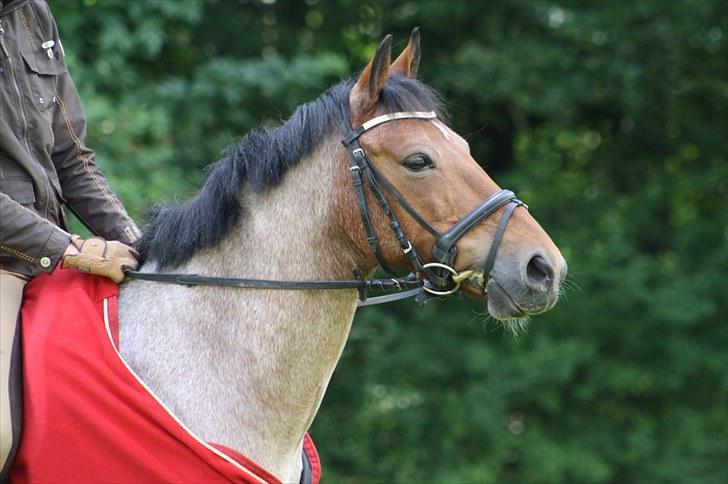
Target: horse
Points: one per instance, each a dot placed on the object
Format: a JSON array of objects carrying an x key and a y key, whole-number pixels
[{"x": 248, "y": 368}]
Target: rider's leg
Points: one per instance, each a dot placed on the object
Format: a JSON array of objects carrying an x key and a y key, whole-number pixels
[{"x": 11, "y": 294}]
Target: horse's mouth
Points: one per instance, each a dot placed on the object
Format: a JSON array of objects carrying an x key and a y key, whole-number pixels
[
  {"x": 501, "y": 305},
  {"x": 472, "y": 283}
]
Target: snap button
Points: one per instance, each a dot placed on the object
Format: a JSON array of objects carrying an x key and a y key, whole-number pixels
[
  {"x": 45, "y": 262},
  {"x": 40, "y": 100}
]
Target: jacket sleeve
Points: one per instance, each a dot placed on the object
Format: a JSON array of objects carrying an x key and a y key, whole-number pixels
[
  {"x": 85, "y": 189},
  {"x": 28, "y": 237}
]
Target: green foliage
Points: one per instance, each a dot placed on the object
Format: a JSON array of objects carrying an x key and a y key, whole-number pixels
[{"x": 608, "y": 118}]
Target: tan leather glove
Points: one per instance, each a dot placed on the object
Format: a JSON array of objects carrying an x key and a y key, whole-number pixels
[{"x": 98, "y": 256}]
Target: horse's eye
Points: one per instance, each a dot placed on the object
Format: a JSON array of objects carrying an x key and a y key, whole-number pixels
[{"x": 418, "y": 162}]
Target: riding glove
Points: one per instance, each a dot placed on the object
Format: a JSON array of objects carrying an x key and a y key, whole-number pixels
[{"x": 104, "y": 258}]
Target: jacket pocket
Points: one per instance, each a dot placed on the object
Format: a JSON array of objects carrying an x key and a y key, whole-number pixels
[
  {"x": 44, "y": 73},
  {"x": 19, "y": 189}
]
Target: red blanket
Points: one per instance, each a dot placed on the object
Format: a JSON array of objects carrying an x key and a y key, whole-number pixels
[{"x": 88, "y": 417}]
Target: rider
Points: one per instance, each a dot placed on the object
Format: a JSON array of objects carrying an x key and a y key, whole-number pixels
[{"x": 44, "y": 162}]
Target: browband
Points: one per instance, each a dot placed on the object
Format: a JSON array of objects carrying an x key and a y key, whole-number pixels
[{"x": 355, "y": 133}]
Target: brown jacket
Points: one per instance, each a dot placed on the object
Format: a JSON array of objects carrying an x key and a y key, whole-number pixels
[{"x": 44, "y": 161}]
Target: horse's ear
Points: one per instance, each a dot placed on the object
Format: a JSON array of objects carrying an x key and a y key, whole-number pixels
[
  {"x": 365, "y": 93},
  {"x": 409, "y": 60}
]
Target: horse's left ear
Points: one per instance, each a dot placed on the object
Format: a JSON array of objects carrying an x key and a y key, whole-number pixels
[
  {"x": 365, "y": 93},
  {"x": 409, "y": 60}
]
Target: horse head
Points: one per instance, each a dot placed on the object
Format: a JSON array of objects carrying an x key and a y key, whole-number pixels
[{"x": 436, "y": 184}]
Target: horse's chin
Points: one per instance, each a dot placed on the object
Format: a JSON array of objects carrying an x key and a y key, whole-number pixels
[{"x": 500, "y": 304}]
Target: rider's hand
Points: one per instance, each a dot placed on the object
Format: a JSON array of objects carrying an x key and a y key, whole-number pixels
[{"x": 98, "y": 256}]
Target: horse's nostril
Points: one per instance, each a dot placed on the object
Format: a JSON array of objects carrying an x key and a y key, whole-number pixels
[{"x": 539, "y": 273}]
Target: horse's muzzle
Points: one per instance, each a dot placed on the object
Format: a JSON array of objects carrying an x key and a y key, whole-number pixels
[{"x": 529, "y": 286}]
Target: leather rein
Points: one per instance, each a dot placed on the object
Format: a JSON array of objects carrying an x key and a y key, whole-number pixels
[{"x": 428, "y": 280}]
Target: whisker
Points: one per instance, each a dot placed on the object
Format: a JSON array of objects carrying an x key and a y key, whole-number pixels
[
  {"x": 476, "y": 317},
  {"x": 571, "y": 284},
  {"x": 516, "y": 326}
]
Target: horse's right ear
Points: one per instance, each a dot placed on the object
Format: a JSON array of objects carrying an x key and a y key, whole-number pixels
[
  {"x": 409, "y": 60},
  {"x": 365, "y": 93}
]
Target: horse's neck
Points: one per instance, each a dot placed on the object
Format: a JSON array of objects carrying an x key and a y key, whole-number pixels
[{"x": 248, "y": 368}]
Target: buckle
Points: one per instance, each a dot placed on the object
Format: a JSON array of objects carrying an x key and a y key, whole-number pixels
[{"x": 358, "y": 151}]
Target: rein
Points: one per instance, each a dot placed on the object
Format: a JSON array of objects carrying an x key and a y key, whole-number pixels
[
  {"x": 408, "y": 286},
  {"x": 432, "y": 279}
]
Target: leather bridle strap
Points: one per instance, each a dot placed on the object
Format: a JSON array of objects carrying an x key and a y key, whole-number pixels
[
  {"x": 195, "y": 280},
  {"x": 372, "y": 239},
  {"x": 408, "y": 285},
  {"x": 362, "y": 169},
  {"x": 403, "y": 203},
  {"x": 365, "y": 169},
  {"x": 445, "y": 250},
  {"x": 384, "y": 118},
  {"x": 490, "y": 259}
]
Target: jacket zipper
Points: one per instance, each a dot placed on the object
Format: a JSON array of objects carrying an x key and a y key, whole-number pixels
[
  {"x": 2, "y": 40},
  {"x": 3, "y": 49},
  {"x": 17, "y": 89}
]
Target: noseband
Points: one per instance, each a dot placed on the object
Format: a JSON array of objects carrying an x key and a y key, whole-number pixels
[{"x": 436, "y": 278}]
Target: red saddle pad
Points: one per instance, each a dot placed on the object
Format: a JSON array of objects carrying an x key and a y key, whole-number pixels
[{"x": 87, "y": 416}]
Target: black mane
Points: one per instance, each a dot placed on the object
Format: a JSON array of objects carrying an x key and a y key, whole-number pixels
[{"x": 174, "y": 233}]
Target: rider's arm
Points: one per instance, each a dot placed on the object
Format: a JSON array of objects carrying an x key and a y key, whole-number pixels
[
  {"x": 29, "y": 237},
  {"x": 85, "y": 189}
]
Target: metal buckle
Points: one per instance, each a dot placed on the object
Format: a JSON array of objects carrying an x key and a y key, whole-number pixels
[
  {"x": 451, "y": 271},
  {"x": 408, "y": 249},
  {"x": 358, "y": 151}
]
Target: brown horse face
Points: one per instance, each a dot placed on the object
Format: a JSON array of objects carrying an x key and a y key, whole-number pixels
[{"x": 431, "y": 166}]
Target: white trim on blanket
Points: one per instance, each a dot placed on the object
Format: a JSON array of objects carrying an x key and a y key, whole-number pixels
[{"x": 166, "y": 409}]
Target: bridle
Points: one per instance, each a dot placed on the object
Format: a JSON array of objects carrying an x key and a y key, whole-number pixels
[
  {"x": 440, "y": 277},
  {"x": 436, "y": 278}
]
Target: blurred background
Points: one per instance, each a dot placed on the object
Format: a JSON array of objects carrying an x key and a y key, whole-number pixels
[{"x": 608, "y": 118}]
